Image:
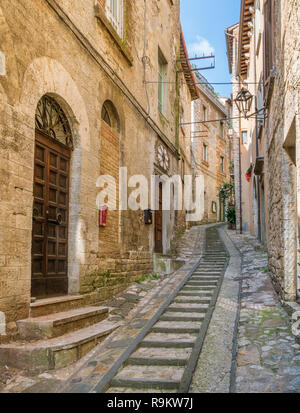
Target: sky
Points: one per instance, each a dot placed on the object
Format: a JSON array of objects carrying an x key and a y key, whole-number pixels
[{"x": 203, "y": 23}]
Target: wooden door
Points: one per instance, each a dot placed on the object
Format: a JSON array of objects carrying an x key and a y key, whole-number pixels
[
  {"x": 159, "y": 224},
  {"x": 50, "y": 218}
]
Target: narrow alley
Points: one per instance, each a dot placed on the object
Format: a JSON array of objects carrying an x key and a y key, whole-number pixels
[{"x": 149, "y": 199}]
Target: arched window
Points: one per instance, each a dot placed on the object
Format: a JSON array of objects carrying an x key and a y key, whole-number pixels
[
  {"x": 105, "y": 115},
  {"x": 51, "y": 121},
  {"x": 110, "y": 115}
]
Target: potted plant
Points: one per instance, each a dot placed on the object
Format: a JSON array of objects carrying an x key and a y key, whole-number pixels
[{"x": 231, "y": 218}]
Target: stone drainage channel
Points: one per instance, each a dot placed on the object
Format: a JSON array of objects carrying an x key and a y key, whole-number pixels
[{"x": 165, "y": 355}]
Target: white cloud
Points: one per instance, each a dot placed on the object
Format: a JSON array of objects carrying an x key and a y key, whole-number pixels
[{"x": 200, "y": 47}]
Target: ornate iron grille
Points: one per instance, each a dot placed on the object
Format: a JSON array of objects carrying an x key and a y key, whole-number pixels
[{"x": 51, "y": 120}]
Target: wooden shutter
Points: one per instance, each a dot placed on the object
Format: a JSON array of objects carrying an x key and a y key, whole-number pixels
[{"x": 268, "y": 41}]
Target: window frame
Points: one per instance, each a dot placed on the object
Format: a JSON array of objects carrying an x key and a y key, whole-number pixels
[
  {"x": 161, "y": 72},
  {"x": 114, "y": 10},
  {"x": 269, "y": 44},
  {"x": 222, "y": 164},
  {"x": 242, "y": 136}
]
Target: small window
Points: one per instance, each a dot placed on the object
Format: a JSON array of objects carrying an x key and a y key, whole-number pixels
[
  {"x": 110, "y": 115},
  {"x": 182, "y": 170},
  {"x": 222, "y": 164},
  {"x": 114, "y": 13},
  {"x": 244, "y": 137},
  {"x": 222, "y": 130},
  {"x": 205, "y": 153},
  {"x": 161, "y": 81},
  {"x": 204, "y": 113}
]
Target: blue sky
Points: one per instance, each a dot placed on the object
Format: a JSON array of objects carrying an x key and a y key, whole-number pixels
[{"x": 203, "y": 23}]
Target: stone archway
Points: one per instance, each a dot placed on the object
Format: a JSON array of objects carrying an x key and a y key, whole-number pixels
[{"x": 46, "y": 76}]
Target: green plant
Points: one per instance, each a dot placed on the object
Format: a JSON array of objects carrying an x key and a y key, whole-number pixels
[
  {"x": 155, "y": 276},
  {"x": 231, "y": 216},
  {"x": 142, "y": 278},
  {"x": 231, "y": 166},
  {"x": 225, "y": 191}
]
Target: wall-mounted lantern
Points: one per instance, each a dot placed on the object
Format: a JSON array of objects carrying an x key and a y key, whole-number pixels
[{"x": 244, "y": 101}]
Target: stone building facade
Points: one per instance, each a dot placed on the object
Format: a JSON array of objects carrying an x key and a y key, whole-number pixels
[
  {"x": 211, "y": 156},
  {"x": 281, "y": 131},
  {"x": 264, "y": 54},
  {"x": 84, "y": 91}
]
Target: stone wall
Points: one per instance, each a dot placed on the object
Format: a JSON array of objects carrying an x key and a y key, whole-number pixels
[
  {"x": 67, "y": 50},
  {"x": 282, "y": 136}
]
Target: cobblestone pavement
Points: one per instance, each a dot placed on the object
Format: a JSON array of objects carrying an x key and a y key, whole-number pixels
[
  {"x": 132, "y": 308},
  {"x": 268, "y": 359}
]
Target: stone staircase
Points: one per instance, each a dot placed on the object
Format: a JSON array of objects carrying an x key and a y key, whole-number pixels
[{"x": 58, "y": 333}]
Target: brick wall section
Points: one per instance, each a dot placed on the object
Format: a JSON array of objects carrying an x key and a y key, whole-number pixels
[{"x": 109, "y": 165}]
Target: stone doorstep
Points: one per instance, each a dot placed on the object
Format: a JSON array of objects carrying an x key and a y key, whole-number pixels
[
  {"x": 55, "y": 353},
  {"x": 55, "y": 305},
  {"x": 54, "y": 325}
]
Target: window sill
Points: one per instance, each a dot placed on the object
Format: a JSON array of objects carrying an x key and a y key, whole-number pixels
[{"x": 100, "y": 15}]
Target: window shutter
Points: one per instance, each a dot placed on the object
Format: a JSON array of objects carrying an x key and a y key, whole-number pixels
[{"x": 268, "y": 41}]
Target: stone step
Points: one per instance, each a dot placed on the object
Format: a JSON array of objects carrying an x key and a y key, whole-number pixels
[
  {"x": 157, "y": 356},
  {"x": 55, "y": 305},
  {"x": 114, "y": 390},
  {"x": 55, "y": 353},
  {"x": 170, "y": 316},
  {"x": 202, "y": 282},
  {"x": 205, "y": 277},
  {"x": 198, "y": 293},
  {"x": 208, "y": 273},
  {"x": 176, "y": 329},
  {"x": 192, "y": 300},
  {"x": 55, "y": 325},
  {"x": 187, "y": 308},
  {"x": 176, "y": 340},
  {"x": 192, "y": 288},
  {"x": 142, "y": 377}
]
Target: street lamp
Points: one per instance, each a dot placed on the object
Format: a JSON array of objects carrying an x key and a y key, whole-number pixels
[{"x": 244, "y": 101}]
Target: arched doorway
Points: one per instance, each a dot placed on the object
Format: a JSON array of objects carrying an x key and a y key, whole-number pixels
[{"x": 53, "y": 145}]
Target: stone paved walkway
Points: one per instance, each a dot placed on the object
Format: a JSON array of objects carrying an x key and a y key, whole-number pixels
[{"x": 268, "y": 358}]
